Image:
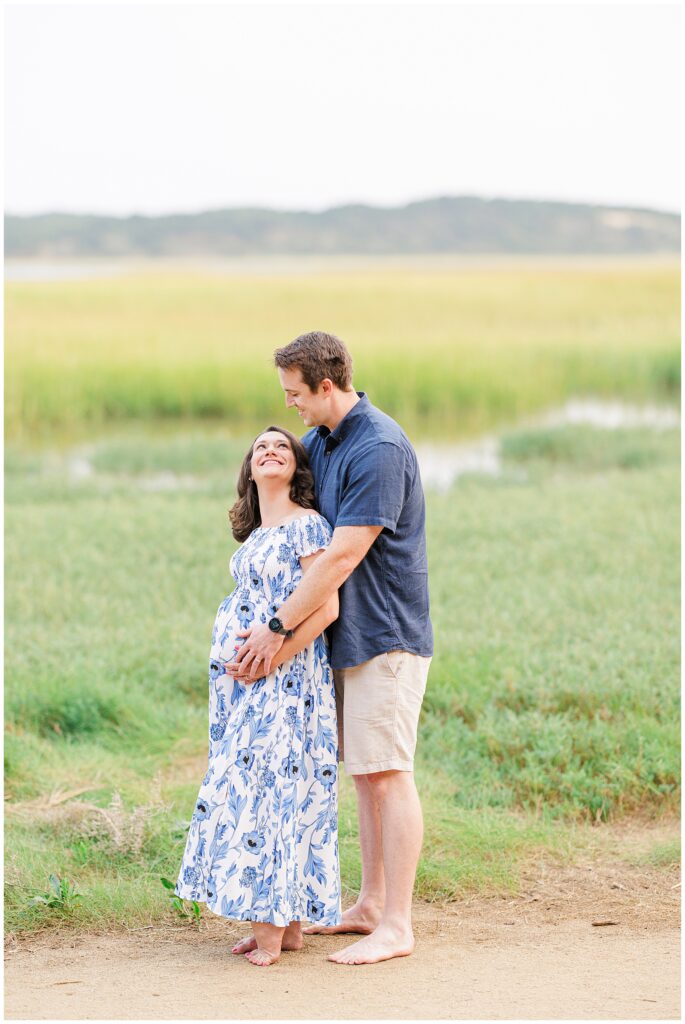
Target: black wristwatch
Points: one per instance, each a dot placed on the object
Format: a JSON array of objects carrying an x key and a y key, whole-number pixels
[{"x": 276, "y": 626}]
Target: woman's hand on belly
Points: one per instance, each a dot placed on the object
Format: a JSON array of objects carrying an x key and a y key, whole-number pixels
[
  {"x": 237, "y": 669},
  {"x": 260, "y": 648}
]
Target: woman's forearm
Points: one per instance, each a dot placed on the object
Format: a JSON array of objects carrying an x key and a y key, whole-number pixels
[{"x": 306, "y": 632}]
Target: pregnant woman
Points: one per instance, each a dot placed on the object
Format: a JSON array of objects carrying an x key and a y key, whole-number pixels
[{"x": 263, "y": 841}]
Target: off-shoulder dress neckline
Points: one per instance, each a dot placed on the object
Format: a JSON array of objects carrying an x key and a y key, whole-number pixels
[{"x": 282, "y": 526}]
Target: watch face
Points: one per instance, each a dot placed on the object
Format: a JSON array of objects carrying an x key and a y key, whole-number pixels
[{"x": 274, "y": 625}]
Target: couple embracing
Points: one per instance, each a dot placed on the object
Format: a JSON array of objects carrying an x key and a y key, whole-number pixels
[{"x": 333, "y": 538}]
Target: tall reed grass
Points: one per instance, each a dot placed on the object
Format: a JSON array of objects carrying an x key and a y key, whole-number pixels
[{"x": 443, "y": 350}]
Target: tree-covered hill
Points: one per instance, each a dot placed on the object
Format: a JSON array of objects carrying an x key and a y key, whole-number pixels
[{"x": 463, "y": 224}]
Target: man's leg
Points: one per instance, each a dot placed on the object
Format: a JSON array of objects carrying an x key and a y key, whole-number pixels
[
  {"x": 382, "y": 700},
  {"x": 366, "y": 912},
  {"x": 402, "y": 835}
]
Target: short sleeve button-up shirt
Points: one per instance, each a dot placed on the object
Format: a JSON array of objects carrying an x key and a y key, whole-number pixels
[{"x": 367, "y": 474}]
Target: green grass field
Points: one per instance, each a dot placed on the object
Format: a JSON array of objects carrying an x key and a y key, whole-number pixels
[
  {"x": 552, "y": 704},
  {"x": 443, "y": 350},
  {"x": 553, "y": 697}
]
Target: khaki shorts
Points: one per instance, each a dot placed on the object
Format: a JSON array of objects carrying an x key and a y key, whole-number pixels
[{"x": 378, "y": 705}]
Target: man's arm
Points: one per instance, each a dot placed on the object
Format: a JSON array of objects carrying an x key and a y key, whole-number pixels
[
  {"x": 346, "y": 550},
  {"x": 304, "y": 634}
]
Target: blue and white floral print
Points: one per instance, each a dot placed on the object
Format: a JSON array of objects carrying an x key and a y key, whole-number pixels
[{"x": 263, "y": 840}]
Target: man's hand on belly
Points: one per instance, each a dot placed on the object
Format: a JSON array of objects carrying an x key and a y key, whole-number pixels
[{"x": 254, "y": 658}]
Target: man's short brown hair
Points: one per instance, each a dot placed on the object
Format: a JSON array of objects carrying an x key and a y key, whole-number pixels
[{"x": 317, "y": 355}]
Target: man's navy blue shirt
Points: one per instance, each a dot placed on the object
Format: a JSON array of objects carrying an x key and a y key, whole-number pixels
[{"x": 367, "y": 474}]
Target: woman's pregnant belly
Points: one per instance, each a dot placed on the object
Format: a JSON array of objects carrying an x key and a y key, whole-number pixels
[{"x": 237, "y": 612}]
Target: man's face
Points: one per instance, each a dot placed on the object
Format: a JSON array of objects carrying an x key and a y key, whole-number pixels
[{"x": 311, "y": 406}]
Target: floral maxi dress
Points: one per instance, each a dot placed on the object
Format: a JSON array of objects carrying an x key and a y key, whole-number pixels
[{"x": 263, "y": 840}]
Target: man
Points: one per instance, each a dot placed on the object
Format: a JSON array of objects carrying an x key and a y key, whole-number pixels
[{"x": 369, "y": 488}]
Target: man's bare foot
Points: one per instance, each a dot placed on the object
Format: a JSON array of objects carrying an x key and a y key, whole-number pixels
[
  {"x": 292, "y": 940},
  {"x": 382, "y": 944},
  {"x": 362, "y": 918}
]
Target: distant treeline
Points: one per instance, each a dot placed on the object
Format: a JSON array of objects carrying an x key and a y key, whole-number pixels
[{"x": 446, "y": 225}]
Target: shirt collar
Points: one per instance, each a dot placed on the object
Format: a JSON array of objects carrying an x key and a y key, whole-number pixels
[{"x": 332, "y": 438}]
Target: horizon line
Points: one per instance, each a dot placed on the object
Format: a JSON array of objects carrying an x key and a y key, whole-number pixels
[{"x": 483, "y": 197}]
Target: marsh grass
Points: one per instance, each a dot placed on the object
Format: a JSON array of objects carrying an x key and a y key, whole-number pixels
[
  {"x": 441, "y": 350},
  {"x": 577, "y": 446},
  {"x": 553, "y": 700}
]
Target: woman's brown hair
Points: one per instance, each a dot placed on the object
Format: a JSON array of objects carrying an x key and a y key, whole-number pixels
[{"x": 245, "y": 515}]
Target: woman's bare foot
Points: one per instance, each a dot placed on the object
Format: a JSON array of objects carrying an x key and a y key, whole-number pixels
[
  {"x": 269, "y": 939},
  {"x": 292, "y": 940},
  {"x": 383, "y": 944},
  {"x": 262, "y": 957},
  {"x": 362, "y": 918},
  {"x": 245, "y": 945}
]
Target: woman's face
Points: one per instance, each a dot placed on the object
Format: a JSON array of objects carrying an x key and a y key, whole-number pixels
[{"x": 272, "y": 458}]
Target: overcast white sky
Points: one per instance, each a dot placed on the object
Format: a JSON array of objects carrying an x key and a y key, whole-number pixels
[{"x": 152, "y": 109}]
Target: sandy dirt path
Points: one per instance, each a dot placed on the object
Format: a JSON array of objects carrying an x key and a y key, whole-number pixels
[{"x": 537, "y": 956}]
